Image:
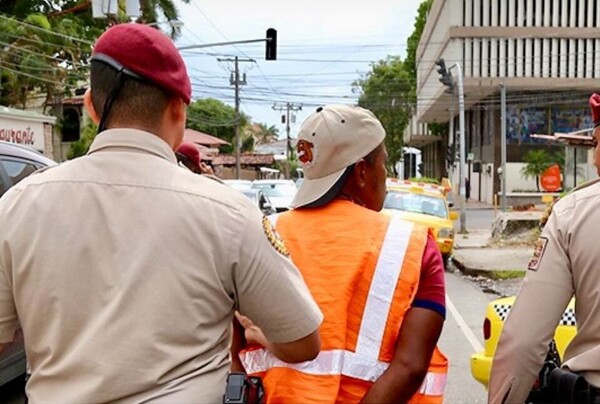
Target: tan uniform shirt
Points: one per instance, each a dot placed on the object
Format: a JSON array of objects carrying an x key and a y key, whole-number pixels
[
  {"x": 124, "y": 271},
  {"x": 566, "y": 263}
]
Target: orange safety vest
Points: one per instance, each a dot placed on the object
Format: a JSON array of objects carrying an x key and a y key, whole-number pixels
[{"x": 364, "y": 281}]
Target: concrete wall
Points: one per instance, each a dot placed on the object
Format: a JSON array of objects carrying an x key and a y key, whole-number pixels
[{"x": 522, "y": 43}]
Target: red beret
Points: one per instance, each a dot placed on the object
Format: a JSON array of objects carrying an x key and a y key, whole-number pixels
[
  {"x": 190, "y": 150},
  {"x": 149, "y": 53},
  {"x": 595, "y": 106}
]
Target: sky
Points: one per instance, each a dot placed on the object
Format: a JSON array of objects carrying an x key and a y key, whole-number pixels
[{"x": 322, "y": 47}]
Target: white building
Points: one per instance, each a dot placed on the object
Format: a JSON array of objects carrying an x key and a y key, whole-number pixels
[{"x": 547, "y": 55}]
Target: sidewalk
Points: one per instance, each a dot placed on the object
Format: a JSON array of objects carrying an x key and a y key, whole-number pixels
[{"x": 473, "y": 256}]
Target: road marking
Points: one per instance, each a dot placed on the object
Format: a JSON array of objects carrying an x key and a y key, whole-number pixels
[{"x": 463, "y": 326}]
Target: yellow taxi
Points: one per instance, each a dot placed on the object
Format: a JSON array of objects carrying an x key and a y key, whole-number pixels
[
  {"x": 496, "y": 313},
  {"x": 425, "y": 204}
]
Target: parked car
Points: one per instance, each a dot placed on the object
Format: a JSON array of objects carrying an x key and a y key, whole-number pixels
[
  {"x": 240, "y": 185},
  {"x": 261, "y": 200},
  {"x": 496, "y": 313},
  {"x": 16, "y": 163},
  {"x": 425, "y": 204},
  {"x": 280, "y": 192}
]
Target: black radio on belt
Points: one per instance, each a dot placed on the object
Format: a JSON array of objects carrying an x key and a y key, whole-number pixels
[{"x": 243, "y": 389}]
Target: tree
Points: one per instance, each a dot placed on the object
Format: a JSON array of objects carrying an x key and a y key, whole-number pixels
[
  {"x": 388, "y": 92},
  {"x": 45, "y": 45},
  {"x": 536, "y": 162},
  {"x": 413, "y": 40},
  {"x": 39, "y": 56},
  {"x": 81, "y": 147},
  {"x": 264, "y": 134},
  {"x": 217, "y": 119}
]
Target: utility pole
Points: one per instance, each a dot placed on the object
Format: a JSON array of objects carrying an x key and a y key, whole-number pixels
[
  {"x": 235, "y": 81},
  {"x": 503, "y": 145},
  {"x": 289, "y": 106}
]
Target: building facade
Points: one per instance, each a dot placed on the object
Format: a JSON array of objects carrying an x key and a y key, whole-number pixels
[{"x": 547, "y": 56}]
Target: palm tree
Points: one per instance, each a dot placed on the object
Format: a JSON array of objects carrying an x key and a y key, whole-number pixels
[
  {"x": 536, "y": 162},
  {"x": 151, "y": 9},
  {"x": 263, "y": 134}
]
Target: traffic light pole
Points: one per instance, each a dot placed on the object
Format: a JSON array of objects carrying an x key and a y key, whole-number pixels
[
  {"x": 463, "y": 166},
  {"x": 270, "y": 49},
  {"x": 448, "y": 81}
]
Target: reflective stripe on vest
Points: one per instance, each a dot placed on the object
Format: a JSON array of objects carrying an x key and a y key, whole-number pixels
[
  {"x": 434, "y": 384},
  {"x": 362, "y": 364}
]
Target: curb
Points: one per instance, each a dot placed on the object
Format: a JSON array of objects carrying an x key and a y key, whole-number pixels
[{"x": 487, "y": 273}]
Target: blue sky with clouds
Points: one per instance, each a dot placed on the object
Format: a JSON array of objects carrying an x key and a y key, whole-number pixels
[{"x": 323, "y": 46}]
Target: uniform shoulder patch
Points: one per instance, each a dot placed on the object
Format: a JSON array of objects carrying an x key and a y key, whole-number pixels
[
  {"x": 273, "y": 237},
  {"x": 538, "y": 252}
]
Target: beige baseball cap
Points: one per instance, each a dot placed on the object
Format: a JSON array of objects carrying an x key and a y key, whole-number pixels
[{"x": 330, "y": 140}]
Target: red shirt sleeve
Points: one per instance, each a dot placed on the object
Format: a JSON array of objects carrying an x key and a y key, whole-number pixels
[{"x": 431, "y": 293}]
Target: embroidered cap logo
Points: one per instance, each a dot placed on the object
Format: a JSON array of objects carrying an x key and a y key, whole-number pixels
[{"x": 305, "y": 152}]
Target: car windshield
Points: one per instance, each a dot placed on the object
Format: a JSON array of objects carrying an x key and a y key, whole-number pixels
[
  {"x": 277, "y": 190},
  {"x": 409, "y": 202}
]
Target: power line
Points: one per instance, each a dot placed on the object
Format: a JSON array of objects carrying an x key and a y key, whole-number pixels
[{"x": 46, "y": 30}]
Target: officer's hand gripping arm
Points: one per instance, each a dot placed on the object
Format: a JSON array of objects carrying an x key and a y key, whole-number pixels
[{"x": 418, "y": 337}]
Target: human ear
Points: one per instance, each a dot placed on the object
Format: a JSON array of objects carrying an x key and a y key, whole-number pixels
[
  {"x": 89, "y": 106},
  {"x": 177, "y": 110},
  {"x": 360, "y": 173}
]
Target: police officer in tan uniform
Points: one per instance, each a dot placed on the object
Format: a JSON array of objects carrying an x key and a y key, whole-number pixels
[
  {"x": 564, "y": 264},
  {"x": 123, "y": 269}
]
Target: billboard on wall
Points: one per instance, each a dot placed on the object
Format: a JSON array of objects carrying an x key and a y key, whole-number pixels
[
  {"x": 522, "y": 122},
  {"x": 23, "y": 127}
]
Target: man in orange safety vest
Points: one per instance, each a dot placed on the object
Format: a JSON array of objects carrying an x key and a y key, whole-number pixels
[{"x": 378, "y": 280}]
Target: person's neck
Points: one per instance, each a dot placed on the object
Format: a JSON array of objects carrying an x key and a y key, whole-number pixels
[
  {"x": 156, "y": 131},
  {"x": 346, "y": 196}
]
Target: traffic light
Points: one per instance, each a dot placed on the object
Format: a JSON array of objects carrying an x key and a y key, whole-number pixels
[
  {"x": 271, "y": 48},
  {"x": 441, "y": 63},
  {"x": 446, "y": 78}
]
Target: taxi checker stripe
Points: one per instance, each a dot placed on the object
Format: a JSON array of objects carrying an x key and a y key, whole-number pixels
[
  {"x": 335, "y": 362},
  {"x": 364, "y": 363}
]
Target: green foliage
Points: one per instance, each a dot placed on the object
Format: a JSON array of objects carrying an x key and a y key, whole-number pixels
[
  {"x": 247, "y": 144},
  {"x": 216, "y": 118},
  {"x": 426, "y": 180},
  {"x": 81, "y": 147},
  {"x": 33, "y": 59},
  {"x": 263, "y": 134},
  {"x": 388, "y": 91},
  {"x": 413, "y": 40}
]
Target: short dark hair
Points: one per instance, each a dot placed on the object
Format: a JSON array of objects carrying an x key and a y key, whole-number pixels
[
  {"x": 136, "y": 101},
  {"x": 371, "y": 157}
]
